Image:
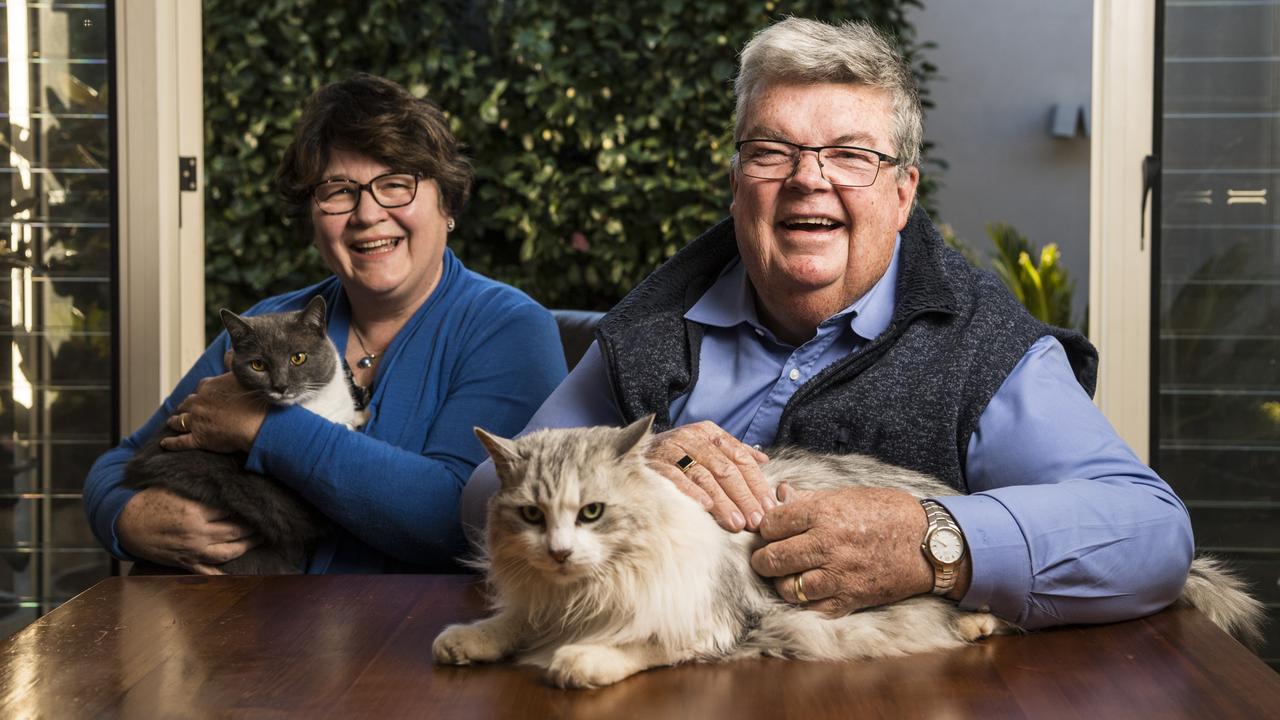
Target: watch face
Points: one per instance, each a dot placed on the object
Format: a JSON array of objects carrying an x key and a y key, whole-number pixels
[{"x": 946, "y": 546}]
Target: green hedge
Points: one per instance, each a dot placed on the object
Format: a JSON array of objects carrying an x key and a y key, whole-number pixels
[{"x": 600, "y": 132}]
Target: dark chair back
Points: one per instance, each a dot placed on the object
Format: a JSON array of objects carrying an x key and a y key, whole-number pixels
[{"x": 577, "y": 332}]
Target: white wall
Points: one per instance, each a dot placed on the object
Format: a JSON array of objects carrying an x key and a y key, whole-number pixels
[{"x": 1002, "y": 66}]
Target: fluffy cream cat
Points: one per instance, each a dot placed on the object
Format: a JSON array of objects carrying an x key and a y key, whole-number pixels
[{"x": 599, "y": 568}]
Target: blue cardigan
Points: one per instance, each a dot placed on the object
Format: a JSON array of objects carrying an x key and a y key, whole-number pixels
[{"x": 476, "y": 353}]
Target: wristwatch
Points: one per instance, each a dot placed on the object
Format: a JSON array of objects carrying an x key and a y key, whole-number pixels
[{"x": 943, "y": 546}]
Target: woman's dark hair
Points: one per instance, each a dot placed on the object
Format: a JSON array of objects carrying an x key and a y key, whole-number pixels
[{"x": 373, "y": 116}]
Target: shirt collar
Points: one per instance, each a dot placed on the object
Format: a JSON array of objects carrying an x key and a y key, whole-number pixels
[
  {"x": 874, "y": 310},
  {"x": 730, "y": 301}
]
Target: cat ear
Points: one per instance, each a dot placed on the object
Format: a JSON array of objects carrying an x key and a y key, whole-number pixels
[
  {"x": 503, "y": 451},
  {"x": 313, "y": 316},
  {"x": 633, "y": 435},
  {"x": 237, "y": 328}
]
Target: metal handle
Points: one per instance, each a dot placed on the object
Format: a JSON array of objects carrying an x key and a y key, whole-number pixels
[{"x": 1150, "y": 175}]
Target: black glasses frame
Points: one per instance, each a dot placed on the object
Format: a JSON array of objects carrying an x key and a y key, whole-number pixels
[
  {"x": 817, "y": 150},
  {"x": 360, "y": 191}
]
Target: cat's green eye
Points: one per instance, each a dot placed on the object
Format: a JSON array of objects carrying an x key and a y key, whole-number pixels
[
  {"x": 532, "y": 514},
  {"x": 257, "y": 365},
  {"x": 298, "y": 358},
  {"x": 591, "y": 512}
]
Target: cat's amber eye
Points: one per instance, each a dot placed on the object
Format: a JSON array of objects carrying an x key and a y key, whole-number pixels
[
  {"x": 591, "y": 512},
  {"x": 532, "y": 514},
  {"x": 298, "y": 358},
  {"x": 257, "y": 365}
]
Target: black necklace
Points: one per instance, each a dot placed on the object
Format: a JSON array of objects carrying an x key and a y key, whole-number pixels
[{"x": 365, "y": 362}]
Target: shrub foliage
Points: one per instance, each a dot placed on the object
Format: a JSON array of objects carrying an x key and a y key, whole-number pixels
[
  {"x": 1041, "y": 285},
  {"x": 600, "y": 132}
]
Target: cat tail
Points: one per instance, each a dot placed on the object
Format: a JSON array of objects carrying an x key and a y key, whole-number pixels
[{"x": 1218, "y": 593}]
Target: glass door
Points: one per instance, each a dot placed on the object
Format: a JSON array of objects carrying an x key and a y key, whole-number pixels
[
  {"x": 57, "y": 297},
  {"x": 1216, "y": 380}
]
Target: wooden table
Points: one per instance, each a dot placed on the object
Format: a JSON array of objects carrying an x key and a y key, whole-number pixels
[{"x": 359, "y": 646}]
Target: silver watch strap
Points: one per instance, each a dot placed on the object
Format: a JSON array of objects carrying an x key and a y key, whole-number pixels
[{"x": 944, "y": 576}]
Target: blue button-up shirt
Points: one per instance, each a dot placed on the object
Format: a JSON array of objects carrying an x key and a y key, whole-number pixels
[{"x": 1064, "y": 524}]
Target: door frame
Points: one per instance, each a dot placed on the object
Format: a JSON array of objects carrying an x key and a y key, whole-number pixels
[
  {"x": 160, "y": 117},
  {"x": 1120, "y": 231}
]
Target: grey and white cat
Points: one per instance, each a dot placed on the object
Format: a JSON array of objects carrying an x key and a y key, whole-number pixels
[
  {"x": 286, "y": 359},
  {"x": 598, "y": 568}
]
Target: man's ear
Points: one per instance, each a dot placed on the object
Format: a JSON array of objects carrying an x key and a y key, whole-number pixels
[
  {"x": 733, "y": 185},
  {"x": 505, "y": 454},
  {"x": 907, "y": 195}
]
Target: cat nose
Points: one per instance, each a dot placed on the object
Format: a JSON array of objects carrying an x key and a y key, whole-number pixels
[{"x": 560, "y": 555}]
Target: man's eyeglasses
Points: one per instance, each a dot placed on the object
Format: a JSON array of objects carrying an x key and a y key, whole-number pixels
[
  {"x": 841, "y": 165},
  {"x": 339, "y": 197}
]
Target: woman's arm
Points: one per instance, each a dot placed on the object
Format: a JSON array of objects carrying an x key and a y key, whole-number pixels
[{"x": 154, "y": 524}]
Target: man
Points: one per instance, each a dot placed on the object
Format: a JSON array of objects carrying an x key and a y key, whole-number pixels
[{"x": 827, "y": 313}]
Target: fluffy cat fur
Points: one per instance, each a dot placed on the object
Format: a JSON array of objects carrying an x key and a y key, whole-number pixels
[
  {"x": 267, "y": 349},
  {"x": 653, "y": 581}
]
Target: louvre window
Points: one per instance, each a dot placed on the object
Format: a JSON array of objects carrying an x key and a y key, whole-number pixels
[
  {"x": 57, "y": 297},
  {"x": 1217, "y": 420}
]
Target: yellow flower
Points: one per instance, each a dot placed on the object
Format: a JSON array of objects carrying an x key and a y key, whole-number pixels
[{"x": 1272, "y": 410}]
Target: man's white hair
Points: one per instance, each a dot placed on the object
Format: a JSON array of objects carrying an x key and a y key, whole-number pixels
[{"x": 797, "y": 50}]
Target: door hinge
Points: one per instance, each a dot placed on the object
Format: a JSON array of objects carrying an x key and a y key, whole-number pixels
[{"x": 187, "y": 174}]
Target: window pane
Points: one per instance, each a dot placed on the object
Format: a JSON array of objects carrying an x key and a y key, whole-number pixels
[
  {"x": 1217, "y": 360},
  {"x": 57, "y": 299}
]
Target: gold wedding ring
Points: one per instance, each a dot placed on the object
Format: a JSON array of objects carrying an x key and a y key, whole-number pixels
[
  {"x": 182, "y": 420},
  {"x": 686, "y": 464},
  {"x": 798, "y": 586}
]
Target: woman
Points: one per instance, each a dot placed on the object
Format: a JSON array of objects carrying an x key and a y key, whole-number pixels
[{"x": 439, "y": 348}]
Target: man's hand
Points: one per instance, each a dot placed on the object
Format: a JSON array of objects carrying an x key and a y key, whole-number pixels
[
  {"x": 173, "y": 531},
  {"x": 726, "y": 479},
  {"x": 852, "y": 548},
  {"x": 219, "y": 416}
]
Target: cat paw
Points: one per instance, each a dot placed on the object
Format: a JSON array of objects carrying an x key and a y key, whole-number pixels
[
  {"x": 975, "y": 626},
  {"x": 465, "y": 644},
  {"x": 588, "y": 666}
]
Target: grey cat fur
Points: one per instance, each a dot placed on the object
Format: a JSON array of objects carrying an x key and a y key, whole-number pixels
[
  {"x": 288, "y": 526},
  {"x": 654, "y": 581}
]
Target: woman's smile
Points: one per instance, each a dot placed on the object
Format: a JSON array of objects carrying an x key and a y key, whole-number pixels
[{"x": 376, "y": 246}]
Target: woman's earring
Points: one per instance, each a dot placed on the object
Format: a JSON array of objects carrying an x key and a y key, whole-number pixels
[{"x": 449, "y": 224}]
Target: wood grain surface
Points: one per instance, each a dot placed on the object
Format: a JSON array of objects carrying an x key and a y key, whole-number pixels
[{"x": 360, "y": 646}]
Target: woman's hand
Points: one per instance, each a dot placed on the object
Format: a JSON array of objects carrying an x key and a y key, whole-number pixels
[
  {"x": 219, "y": 416},
  {"x": 725, "y": 478},
  {"x": 173, "y": 531}
]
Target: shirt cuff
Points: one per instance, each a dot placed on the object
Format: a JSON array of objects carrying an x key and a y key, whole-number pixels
[{"x": 998, "y": 553}]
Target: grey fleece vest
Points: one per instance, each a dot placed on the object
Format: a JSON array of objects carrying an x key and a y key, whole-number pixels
[{"x": 911, "y": 397}]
